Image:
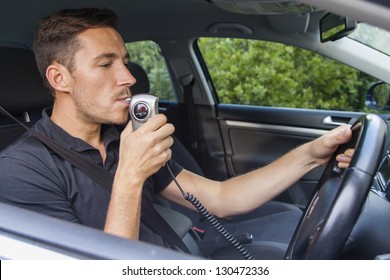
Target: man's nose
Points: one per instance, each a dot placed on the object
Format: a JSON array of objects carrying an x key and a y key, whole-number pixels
[{"x": 126, "y": 78}]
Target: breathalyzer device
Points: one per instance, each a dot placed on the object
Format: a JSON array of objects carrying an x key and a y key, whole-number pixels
[{"x": 141, "y": 107}]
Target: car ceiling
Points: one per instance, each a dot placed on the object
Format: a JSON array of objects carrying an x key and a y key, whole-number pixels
[
  {"x": 154, "y": 19},
  {"x": 172, "y": 20}
]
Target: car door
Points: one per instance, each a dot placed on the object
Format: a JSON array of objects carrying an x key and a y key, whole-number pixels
[{"x": 292, "y": 109}]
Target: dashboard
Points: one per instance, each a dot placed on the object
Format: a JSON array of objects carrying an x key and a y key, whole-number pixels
[{"x": 381, "y": 183}]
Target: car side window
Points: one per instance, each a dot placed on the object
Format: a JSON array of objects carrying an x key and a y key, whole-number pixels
[
  {"x": 252, "y": 72},
  {"x": 148, "y": 55}
]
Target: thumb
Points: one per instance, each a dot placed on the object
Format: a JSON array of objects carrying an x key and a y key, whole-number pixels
[{"x": 344, "y": 134}]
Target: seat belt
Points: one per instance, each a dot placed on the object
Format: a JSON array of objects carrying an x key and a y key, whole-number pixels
[
  {"x": 187, "y": 82},
  {"x": 150, "y": 215}
]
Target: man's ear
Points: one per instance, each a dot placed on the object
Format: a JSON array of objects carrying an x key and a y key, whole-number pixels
[{"x": 58, "y": 77}]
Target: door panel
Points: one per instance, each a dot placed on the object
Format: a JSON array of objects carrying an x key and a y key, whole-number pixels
[{"x": 255, "y": 136}]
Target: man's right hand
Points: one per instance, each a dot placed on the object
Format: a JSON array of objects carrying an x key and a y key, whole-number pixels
[{"x": 144, "y": 151}]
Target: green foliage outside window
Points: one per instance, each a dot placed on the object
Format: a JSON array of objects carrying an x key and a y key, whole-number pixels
[
  {"x": 252, "y": 72},
  {"x": 148, "y": 55},
  {"x": 270, "y": 74}
]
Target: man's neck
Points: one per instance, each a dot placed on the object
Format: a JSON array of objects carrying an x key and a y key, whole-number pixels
[{"x": 79, "y": 128}]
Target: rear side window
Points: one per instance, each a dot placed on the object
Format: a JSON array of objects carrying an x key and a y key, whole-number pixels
[
  {"x": 148, "y": 55},
  {"x": 252, "y": 72}
]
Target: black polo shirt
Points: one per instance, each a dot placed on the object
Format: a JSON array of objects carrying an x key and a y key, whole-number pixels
[{"x": 34, "y": 177}]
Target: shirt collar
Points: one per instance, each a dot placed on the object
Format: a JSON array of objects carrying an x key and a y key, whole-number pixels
[{"x": 47, "y": 127}]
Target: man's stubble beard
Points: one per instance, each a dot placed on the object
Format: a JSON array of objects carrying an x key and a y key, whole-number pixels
[{"x": 95, "y": 113}]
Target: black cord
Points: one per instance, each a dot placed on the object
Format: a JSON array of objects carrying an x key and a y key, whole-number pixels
[{"x": 212, "y": 220}]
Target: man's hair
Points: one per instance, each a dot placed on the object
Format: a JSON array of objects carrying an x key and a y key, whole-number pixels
[{"x": 56, "y": 38}]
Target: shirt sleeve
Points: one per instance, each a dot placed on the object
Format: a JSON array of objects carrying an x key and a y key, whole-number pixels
[
  {"x": 163, "y": 177},
  {"x": 25, "y": 184}
]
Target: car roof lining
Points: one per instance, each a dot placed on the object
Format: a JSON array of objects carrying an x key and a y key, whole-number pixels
[
  {"x": 148, "y": 22},
  {"x": 153, "y": 17}
]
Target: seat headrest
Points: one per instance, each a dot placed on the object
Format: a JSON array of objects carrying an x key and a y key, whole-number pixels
[
  {"x": 21, "y": 86},
  {"x": 142, "y": 85}
]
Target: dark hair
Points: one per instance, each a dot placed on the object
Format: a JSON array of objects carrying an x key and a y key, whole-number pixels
[{"x": 56, "y": 37}]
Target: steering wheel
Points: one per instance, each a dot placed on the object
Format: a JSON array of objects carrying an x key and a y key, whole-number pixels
[{"x": 340, "y": 195}]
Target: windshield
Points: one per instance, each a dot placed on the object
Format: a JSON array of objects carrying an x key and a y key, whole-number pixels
[{"x": 373, "y": 37}]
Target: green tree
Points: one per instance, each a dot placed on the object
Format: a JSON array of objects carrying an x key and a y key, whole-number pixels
[
  {"x": 271, "y": 74},
  {"x": 148, "y": 55}
]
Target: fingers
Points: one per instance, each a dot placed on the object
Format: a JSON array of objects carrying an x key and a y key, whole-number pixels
[
  {"x": 157, "y": 123},
  {"x": 154, "y": 123},
  {"x": 147, "y": 149},
  {"x": 162, "y": 149},
  {"x": 344, "y": 134},
  {"x": 157, "y": 133},
  {"x": 322, "y": 148},
  {"x": 345, "y": 158}
]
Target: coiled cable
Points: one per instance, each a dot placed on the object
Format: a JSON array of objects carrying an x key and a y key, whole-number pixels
[{"x": 212, "y": 220}]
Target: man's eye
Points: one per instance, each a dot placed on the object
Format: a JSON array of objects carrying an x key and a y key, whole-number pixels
[{"x": 105, "y": 65}]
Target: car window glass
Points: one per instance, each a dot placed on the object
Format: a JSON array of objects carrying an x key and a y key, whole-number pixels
[
  {"x": 252, "y": 72},
  {"x": 148, "y": 55},
  {"x": 372, "y": 36}
]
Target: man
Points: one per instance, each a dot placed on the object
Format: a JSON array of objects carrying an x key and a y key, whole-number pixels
[{"x": 83, "y": 61}]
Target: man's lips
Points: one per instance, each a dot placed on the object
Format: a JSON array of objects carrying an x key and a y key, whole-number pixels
[{"x": 125, "y": 100}]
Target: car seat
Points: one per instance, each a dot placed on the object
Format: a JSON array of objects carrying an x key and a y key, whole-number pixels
[{"x": 22, "y": 92}]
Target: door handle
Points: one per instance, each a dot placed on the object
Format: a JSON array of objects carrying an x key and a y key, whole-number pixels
[{"x": 337, "y": 121}]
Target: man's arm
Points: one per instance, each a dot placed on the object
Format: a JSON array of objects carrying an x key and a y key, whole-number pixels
[
  {"x": 142, "y": 153},
  {"x": 247, "y": 192}
]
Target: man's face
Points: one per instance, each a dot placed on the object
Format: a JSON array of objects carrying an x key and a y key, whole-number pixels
[{"x": 101, "y": 80}]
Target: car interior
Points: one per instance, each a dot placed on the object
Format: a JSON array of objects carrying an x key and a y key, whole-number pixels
[{"x": 212, "y": 138}]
